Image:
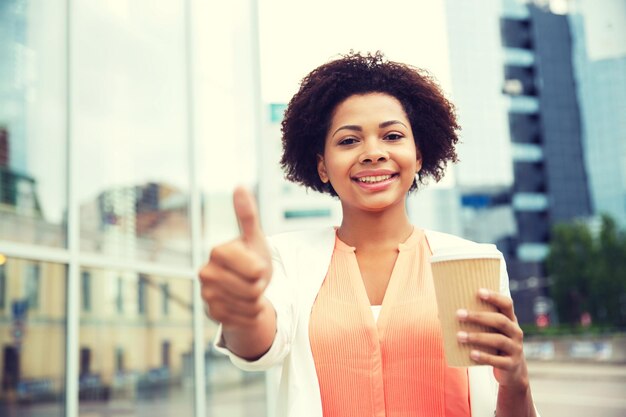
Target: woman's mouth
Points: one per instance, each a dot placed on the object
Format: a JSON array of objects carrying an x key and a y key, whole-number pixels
[
  {"x": 375, "y": 182},
  {"x": 374, "y": 179}
]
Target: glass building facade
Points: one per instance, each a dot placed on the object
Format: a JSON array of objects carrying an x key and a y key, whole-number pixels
[
  {"x": 599, "y": 58},
  {"x": 121, "y": 137}
]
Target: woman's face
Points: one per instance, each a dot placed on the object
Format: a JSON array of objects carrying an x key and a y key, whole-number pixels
[{"x": 370, "y": 157}]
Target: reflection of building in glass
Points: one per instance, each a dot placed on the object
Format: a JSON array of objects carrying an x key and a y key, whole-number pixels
[
  {"x": 135, "y": 331},
  {"x": 144, "y": 221},
  {"x": 14, "y": 57},
  {"x": 21, "y": 215},
  {"x": 18, "y": 194},
  {"x": 128, "y": 265},
  {"x": 32, "y": 320}
]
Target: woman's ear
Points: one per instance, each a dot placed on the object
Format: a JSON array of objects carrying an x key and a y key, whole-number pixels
[{"x": 321, "y": 169}]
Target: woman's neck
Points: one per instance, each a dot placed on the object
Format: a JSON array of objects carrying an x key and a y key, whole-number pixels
[{"x": 374, "y": 231}]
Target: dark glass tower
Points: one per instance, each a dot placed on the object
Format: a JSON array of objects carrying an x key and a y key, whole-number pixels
[{"x": 550, "y": 181}]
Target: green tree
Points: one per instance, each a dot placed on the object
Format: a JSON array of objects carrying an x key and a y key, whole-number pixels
[
  {"x": 569, "y": 264},
  {"x": 608, "y": 286},
  {"x": 588, "y": 272}
]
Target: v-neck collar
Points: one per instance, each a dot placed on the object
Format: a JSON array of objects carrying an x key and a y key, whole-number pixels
[
  {"x": 408, "y": 244},
  {"x": 393, "y": 286}
]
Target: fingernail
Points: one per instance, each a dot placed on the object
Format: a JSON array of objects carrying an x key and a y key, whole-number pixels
[
  {"x": 474, "y": 354},
  {"x": 483, "y": 293},
  {"x": 462, "y": 336},
  {"x": 461, "y": 313}
]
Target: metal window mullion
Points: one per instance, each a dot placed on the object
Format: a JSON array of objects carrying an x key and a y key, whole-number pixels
[
  {"x": 195, "y": 223},
  {"x": 34, "y": 252},
  {"x": 106, "y": 262},
  {"x": 73, "y": 267},
  {"x": 271, "y": 388}
]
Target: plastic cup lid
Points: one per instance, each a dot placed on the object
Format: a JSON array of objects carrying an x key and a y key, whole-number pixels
[{"x": 476, "y": 251}]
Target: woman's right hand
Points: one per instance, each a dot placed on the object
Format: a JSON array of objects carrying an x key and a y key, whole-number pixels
[{"x": 237, "y": 273}]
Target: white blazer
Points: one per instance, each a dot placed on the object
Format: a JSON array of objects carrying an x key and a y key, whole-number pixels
[{"x": 300, "y": 263}]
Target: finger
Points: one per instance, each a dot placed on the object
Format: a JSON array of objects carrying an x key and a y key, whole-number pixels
[
  {"x": 240, "y": 260},
  {"x": 506, "y": 363},
  {"x": 494, "y": 320},
  {"x": 502, "y": 302},
  {"x": 247, "y": 216},
  {"x": 224, "y": 280},
  {"x": 221, "y": 314},
  {"x": 495, "y": 341},
  {"x": 232, "y": 306}
]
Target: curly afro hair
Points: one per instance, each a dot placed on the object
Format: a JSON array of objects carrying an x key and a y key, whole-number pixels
[{"x": 309, "y": 113}]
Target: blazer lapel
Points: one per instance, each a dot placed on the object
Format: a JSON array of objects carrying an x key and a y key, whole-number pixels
[{"x": 313, "y": 257}]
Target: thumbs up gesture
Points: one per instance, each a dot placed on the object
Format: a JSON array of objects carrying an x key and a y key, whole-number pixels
[{"x": 235, "y": 278}]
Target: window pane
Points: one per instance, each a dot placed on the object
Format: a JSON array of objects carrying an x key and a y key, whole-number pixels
[
  {"x": 226, "y": 136},
  {"x": 136, "y": 357},
  {"x": 32, "y": 338},
  {"x": 129, "y": 113},
  {"x": 225, "y": 110},
  {"x": 32, "y": 122}
]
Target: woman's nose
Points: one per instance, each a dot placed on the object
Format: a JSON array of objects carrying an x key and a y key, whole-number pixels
[{"x": 373, "y": 152}]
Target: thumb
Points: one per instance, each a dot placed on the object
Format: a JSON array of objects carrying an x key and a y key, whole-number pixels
[{"x": 248, "y": 217}]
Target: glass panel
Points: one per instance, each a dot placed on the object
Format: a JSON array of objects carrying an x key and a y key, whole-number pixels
[
  {"x": 225, "y": 110},
  {"x": 32, "y": 122},
  {"x": 135, "y": 345},
  {"x": 130, "y": 129},
  {"x": 32, "y": 338}
]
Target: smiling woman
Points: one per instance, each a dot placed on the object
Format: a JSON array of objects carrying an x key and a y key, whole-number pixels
[
  {"x": 350, "y": 312},
  {"x": 426, "y": 113},
  {"x": 370, "y": 158}
]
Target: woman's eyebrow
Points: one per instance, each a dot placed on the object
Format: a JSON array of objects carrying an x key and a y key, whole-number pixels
[
  {"x": 391, "y": 122},
  {"x": 360, "y": 129},
  {"x": 349, "y": 127}
]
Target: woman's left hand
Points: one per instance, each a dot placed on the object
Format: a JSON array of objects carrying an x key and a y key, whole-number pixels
[{"x": 509, "y": 364}]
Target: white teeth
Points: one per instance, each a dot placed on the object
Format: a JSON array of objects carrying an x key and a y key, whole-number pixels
[{"x": 377, "y": 178}]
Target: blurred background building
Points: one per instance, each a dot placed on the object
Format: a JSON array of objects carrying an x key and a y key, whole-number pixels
[{"x": 125, "y": 125}]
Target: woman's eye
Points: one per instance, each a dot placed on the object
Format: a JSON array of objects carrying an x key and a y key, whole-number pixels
[
  {"x": 394, "y": 136},
  {"x": 347, "y": 141}
]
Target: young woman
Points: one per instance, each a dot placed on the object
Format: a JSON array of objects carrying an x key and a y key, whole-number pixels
[{"x": 350, "y": 312}]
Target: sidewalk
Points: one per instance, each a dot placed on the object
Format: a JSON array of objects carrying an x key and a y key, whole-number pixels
[{"x": 577, "y": 370}]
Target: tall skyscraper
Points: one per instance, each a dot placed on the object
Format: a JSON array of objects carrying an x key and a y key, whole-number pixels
[
  {"x": 522, "y": 159},
  {"x": 599, "y": 55},
  {"x": 550, "y": 183}
]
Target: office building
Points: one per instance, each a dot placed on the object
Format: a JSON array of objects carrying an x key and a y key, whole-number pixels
[
  {"x": 599, "y": 56},
  {"x": 550, "y": 176},
  {"x": 120, "y": 143}
]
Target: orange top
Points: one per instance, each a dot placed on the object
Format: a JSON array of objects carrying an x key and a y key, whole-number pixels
[{"x": 390, "y": 368}]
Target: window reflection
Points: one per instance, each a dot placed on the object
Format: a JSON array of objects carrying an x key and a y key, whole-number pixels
[
  {"x": 32, "y": 122},
  {"x": 133, "y": 139},
  {"x": 136, "y": 344},
  {"x": 32, "y": 337}
]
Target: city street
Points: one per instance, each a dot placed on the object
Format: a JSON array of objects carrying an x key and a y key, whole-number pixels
[
  {"x": 577, "y": 390},
  {"x": 559, "y": 389}
]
